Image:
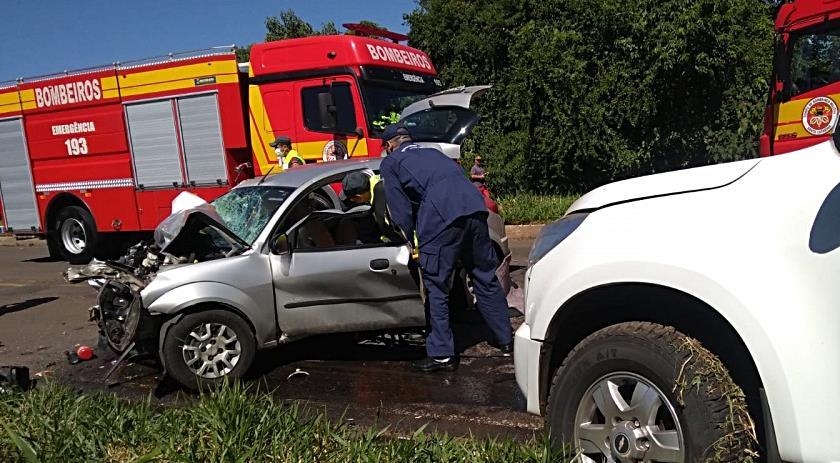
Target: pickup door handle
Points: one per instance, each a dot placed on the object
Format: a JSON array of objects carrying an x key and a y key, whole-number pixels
[{"x": 379, "y": 264}]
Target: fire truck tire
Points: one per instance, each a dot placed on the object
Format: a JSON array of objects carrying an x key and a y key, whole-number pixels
[
  {"x": 52, "y": 245},
  {"x": 76, "y": 235}
]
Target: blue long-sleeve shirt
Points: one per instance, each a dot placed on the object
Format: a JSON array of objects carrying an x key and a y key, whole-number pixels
[{"x": 426, "y": 191}]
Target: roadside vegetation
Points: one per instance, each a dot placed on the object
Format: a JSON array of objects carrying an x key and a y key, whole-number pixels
[
  {"x": 54, "y": 423},
  {"x": 527, "y": 208},
  {"x": 590, "y": 91}
]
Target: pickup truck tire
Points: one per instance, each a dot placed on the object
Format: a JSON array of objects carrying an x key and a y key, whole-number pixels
[
  {"x": 75, "y": 235},
  {"x": 640, "y": 391},
  {"x": 206, "y": 348}
]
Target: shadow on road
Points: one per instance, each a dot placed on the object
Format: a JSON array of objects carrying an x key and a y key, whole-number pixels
[
  {"x": 42, "y": 260},
  {"x": 18, "y": 306}
]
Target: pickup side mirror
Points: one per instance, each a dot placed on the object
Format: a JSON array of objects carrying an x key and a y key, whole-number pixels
[
  {"x": 281, "y": 245},
  {"x": 326, "y": 110}
]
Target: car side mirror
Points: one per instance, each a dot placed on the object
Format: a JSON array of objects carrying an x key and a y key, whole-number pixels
[
  {"x": 281, "y": 245},
  {"x": 326, "y": 110}
]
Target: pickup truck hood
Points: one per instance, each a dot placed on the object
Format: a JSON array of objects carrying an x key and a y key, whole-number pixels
[{"x": 680, "y": 181}]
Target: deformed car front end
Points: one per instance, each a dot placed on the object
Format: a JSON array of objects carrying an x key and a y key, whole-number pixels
[{"x": 195, "y": 232}]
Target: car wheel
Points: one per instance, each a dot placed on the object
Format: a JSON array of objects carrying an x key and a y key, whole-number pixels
[
  {"x": 205, "y": 348},
  {"x": 642, "y": 392},
  {"x": 76, "y": 235}
]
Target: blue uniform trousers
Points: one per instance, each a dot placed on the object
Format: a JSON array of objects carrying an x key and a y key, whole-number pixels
[{"x": 466, "y": 239}]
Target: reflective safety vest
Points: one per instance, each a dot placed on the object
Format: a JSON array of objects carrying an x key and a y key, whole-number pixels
[
  {"x": 386, "y": 119},
  {"x": 415, "y": 254},
  {"x": 374, "y": 179},
  {"x": 292, "y": 155}
]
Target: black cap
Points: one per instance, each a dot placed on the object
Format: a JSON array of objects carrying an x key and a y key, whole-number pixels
[
  {"x": 394, "y": 130},
  {"x": 282, "y": 139},
  {"x": 355, "y": 183}
]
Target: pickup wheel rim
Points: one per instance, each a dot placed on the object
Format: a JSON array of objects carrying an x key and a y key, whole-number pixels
[
  {"x": 623, "y": 417},
  {"x": 73, "y": 236},
  {"x": 211, "y": 350}
]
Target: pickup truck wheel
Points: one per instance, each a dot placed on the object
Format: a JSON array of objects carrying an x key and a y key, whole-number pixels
[
  {"x": 205, "y": 348},
  {"x": 642, "y": 392},
  {"x": 76, "y": 235}
]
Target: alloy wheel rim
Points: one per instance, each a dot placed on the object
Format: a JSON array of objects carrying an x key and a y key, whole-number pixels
[
  {"x": 624, "y": 417},
  {"x": 73, "y": 236},
  {"x": 211, "y": 350}
]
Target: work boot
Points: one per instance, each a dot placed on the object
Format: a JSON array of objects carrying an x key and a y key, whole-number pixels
[
  {"x": 505, "y": 349},
  {"x": 430, "y": 364}
]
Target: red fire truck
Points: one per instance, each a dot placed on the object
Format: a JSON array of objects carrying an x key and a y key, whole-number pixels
[
  {"x": 805, "y": 87},
  {"x": 89, "y": 155}
]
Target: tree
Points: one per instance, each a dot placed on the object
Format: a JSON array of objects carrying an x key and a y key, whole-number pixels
[
  {"x": 590, "y": 91},
  {"x": 290, "y": 26}
]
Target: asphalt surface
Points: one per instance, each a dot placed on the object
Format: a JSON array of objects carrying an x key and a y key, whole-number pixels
[{"x": 362, "y": 379}]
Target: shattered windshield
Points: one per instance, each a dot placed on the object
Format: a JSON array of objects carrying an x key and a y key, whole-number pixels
[{"x": 246, "y": 210}]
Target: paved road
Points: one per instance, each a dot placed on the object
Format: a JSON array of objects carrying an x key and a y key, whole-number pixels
[{"x": 363, "y": 379}]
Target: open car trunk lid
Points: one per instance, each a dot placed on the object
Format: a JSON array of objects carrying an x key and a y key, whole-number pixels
[{"x": 443, "y": 120}]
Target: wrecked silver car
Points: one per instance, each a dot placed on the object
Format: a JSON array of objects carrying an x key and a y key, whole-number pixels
[{"x": 274, "y": 260}]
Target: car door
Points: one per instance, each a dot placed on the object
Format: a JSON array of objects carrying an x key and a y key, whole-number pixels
[{"x": 343, "y": 288}]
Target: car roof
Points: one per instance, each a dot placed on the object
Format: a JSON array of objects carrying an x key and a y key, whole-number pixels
[{"x": 300, "y": 175}]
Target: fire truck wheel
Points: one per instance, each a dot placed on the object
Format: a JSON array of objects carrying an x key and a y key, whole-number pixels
[
  {"x": 52, "y": 245},
  {"x": 76, "y": 235}
]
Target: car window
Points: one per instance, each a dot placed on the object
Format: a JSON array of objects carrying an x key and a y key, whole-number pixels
[
  {"x": 814, "y": 61},
  {"x": 336, "y": 230}
]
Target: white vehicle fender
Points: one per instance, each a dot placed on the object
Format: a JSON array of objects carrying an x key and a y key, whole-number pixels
[{"x": 542, "y": 311}]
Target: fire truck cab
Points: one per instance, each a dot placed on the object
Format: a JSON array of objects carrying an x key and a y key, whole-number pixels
[
  {"x": 805, "y": 87},
  {"x": 86, "y": 156}
]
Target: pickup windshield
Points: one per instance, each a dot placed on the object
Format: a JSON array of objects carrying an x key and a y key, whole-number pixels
[{"x": 245, "y": 211}]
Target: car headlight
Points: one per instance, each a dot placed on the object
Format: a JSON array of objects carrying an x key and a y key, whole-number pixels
[{"x": 552, "y": 234}]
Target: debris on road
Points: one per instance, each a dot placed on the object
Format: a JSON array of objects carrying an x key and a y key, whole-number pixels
[
  {"x": 79, "y": 353},
  {"x": 298, "y": 373},
  {"x": 15, "y": 377},
  {"x": 72, "y": 358},
  {"x": 84, "y": 353}
]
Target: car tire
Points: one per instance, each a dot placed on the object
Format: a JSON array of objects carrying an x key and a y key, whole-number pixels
[
  {"x": 196, "y": 358},
  {"x": 76, "y": 235},
  {"x": 645, "y": 392}
]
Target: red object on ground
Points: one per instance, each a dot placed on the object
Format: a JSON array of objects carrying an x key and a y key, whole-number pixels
[{"x": 84, "y": 353}]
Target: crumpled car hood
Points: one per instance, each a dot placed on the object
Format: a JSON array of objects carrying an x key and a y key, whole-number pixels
[{"x": 185, "y": 208}]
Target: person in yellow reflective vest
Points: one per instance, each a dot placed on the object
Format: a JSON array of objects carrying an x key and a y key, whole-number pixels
[
  {"x": 386, "y": 119},
  {"x": 361, "y": 188},
  {"x": 283, "y": 148}
]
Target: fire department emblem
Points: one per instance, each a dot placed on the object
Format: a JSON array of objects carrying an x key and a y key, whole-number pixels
[
  {"x": 334, "y": 151},
  {"x": 820, "y": 116}
]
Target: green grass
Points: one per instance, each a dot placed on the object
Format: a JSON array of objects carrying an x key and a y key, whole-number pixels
[
  {"x": 53, "y": 423},
  {"x": 530, "y": 208}
]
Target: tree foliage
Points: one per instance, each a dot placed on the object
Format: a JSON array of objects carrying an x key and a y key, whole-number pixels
[
  {"x": 290, "y": 26},
  {"x": 590, "y": 91}
]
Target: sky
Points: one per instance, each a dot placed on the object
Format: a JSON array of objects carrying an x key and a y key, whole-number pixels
[{"x": 46, "y": 36}]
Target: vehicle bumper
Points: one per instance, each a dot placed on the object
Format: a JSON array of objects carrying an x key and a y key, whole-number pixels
[{"x": 526, "y": 359}]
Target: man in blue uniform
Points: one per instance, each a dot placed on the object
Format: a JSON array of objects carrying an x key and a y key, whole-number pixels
[{"x": 428, "y": 194}]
